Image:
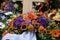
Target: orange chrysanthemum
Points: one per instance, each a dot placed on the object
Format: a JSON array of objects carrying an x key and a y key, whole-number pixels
[
  {"x": 41, "y": 29},
  {"x": 4, "y": 33},
  {"x": 30, "y": 27},
  {"x": 32, "y": 16},
  {"x": 55, "y": 33},
  {"x": 25, "y": 18}
]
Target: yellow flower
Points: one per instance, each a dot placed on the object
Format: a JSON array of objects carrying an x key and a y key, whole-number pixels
[
  {"x": 23, "y": 27},
  {"x": 35, "y": 23},
  {"x": 48, "y": 31},
  {"x": 13, "y": 19}
]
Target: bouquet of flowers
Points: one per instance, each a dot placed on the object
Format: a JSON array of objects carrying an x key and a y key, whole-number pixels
[
  {"x": 45, "y": 28},
  {"x": 22, "y": 22}
]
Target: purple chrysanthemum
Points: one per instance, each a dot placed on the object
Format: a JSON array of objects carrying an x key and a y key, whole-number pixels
[
  {"x": 9, "y": 6},
  {"x": 42, "y": 21},
  {"x": 18, "y": 21}
]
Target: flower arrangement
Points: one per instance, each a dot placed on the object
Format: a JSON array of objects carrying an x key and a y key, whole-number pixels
[
  {"x": 23, "y": 22},
  {"x": 46, "y": 28}
]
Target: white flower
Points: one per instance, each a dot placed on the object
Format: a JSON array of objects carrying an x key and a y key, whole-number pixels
[
  {"x": 9, "y": 20},
  {"x": 3, "y": 17},
  {"x": 57, "y": 13},
  {"x": 8, "y": 13},
  {"x": 2, "y": 25},
  {"x": 57, "y": 16}
]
